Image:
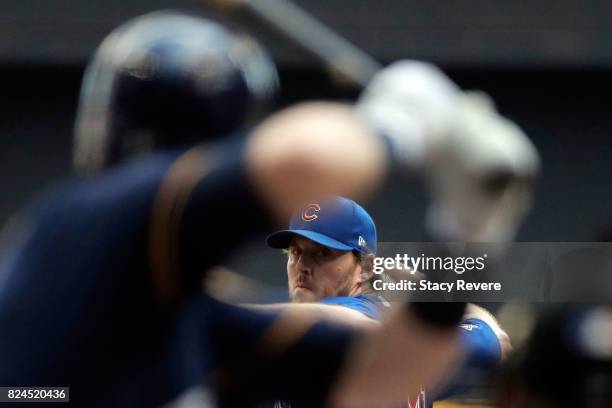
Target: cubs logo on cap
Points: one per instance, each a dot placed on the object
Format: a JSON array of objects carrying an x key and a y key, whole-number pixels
[
  {"x": 335, "y": 222},
  {"x": 309, "y": 212}
]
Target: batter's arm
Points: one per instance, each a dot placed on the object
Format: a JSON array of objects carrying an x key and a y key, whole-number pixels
[
  {"x": 313, "y": 150},
  {"x": 335, "y": 314}
]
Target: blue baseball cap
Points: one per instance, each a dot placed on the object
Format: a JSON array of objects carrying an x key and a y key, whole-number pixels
[{"x": 335, "y": 222}]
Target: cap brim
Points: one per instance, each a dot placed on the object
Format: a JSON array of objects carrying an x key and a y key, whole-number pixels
[{"x": 282, "y": 239}]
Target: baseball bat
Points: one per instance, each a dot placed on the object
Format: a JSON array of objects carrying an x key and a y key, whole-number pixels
[{"x": 336, "y": 52}]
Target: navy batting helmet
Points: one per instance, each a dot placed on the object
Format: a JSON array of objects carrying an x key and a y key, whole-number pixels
[{"x": 167, "y": 79}]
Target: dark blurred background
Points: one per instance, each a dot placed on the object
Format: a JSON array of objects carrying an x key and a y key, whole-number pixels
[{"x": 548, "y": 64}]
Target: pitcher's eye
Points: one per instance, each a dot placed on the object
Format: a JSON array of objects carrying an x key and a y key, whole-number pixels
[{"x": 323, "y": 253}]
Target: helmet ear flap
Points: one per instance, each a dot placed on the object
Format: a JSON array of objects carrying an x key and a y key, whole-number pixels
[{"x": 167, "y": 79}]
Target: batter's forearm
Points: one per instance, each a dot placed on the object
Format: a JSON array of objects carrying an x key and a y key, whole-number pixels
[
  {"x": 313, "y": 150},
  {"x": 338, "y": 315},
  {"x": 403, "y": 356}
]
